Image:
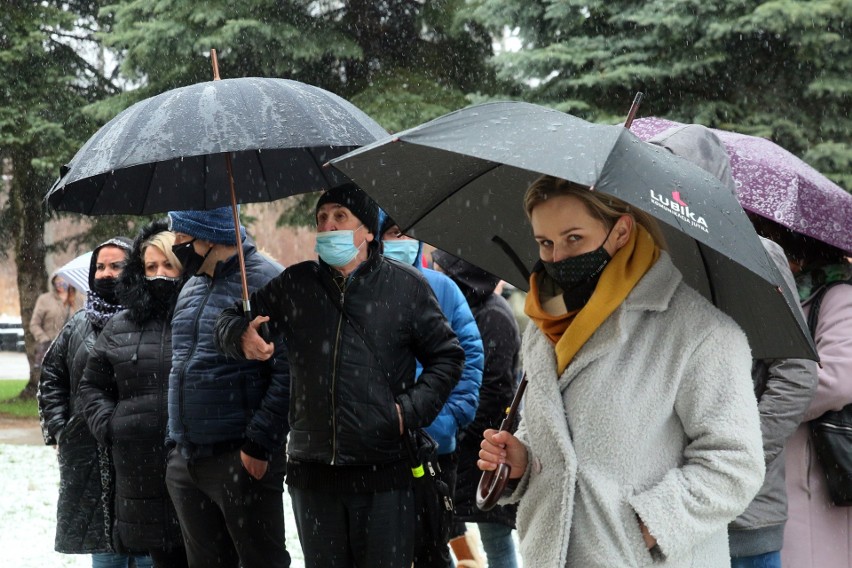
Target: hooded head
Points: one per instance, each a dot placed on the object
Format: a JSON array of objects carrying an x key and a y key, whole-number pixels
[
  {"x": 476, "y": 284},
  {"x": 699, "y": 145},
  {"x": 406, "y": 250},
  {"x": 215, "y": 226},
  {"x": 133, "y": 289},
  {"x": 122, "y": 243}
]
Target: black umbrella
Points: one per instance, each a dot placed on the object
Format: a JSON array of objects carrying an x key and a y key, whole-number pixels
[
  {"x": 457, "y": 183},
  {"x": 167, "y": 152},
  {"x": 212, "y": 145}
]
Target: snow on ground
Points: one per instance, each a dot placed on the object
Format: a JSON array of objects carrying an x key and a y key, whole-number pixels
[{"x": 29, "y": 477}]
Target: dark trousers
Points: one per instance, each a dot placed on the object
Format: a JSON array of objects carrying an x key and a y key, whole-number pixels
[
  {"x": 363, "y": 530},
  {"x": 430, "y": 552},
  {"x": 227, "y": 517},
  {"x": 174, "y": 558}
]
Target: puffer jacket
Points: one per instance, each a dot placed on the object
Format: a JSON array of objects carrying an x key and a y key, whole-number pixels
[
  {"x": 460, "y": 408},
  {"x": 502, "y": 342},
  {"x": 124, "y": 394},
  {"x": 82, "y": 516},
  {"x": 218, "y": 403},
  {"x": 342, "y": 410}
]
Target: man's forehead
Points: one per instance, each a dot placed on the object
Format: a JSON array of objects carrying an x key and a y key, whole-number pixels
[{"x": 328, "y": 207}]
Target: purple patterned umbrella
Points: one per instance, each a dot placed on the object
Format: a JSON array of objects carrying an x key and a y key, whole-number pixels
[{"x": 775, "y": 184}]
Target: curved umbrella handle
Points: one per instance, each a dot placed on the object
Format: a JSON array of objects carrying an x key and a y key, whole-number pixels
[{"x": 493, "y": 483}]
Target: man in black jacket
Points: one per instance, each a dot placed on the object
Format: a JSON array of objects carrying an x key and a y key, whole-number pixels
[
  {"x": 226, "y": 417},
  {"x": 353, "y": 324}
]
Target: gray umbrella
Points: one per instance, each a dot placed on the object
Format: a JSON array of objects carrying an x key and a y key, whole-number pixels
[
  {"x": 167, "y": 152},
  {"x": 457, "y": 183}
]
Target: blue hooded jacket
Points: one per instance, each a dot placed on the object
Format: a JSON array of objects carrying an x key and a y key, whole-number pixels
[{"x": 460, "y": 408}]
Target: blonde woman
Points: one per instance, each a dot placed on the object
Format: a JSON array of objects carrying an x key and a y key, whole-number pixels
[{"x": 640, "y": 439}]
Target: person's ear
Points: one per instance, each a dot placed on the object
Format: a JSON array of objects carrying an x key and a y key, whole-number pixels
[
  {"x": 623, "y": 229},
  {"x": 370, "y": 237}
]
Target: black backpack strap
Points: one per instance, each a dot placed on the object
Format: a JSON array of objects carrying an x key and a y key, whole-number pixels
[{"x": 816, "y": 304}]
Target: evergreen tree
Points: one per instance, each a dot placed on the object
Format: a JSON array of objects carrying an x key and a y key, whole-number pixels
[
  {"x": 44, "y": 84},
  {"x": 778, "y": 69}
]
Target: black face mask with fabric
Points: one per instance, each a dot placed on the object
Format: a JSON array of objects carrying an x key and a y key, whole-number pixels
[
  {"x": 163, "y": 290},
  {"x": 578, "y": 275},
  {"x": 189, "y": 259},
  {"x": 105, "y": 288}
]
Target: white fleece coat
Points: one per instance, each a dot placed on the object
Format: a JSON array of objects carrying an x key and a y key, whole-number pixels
[{"x": 654, "y": 417}]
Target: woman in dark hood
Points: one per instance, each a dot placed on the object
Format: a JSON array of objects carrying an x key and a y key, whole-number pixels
[
  {"x": 501, "y": 341},
  {"x": 124, "y": 392},
  {"x": 83, "y": 514}
]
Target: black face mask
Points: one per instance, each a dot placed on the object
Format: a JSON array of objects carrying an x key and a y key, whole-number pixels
[
  {"x": 105, "y": 288},
  {"x": 189, "y": 259},
  {"x": 578, "y": 275},
  {"x": 162, "y": 289}
]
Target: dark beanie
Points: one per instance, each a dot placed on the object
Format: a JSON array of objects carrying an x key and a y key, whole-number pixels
[
  {"x": 215, "y": 225},
  {"x": 353, "y": 198}
]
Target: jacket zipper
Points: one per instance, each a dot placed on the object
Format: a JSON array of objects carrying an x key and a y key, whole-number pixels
[{"x": 334, "y": 381}]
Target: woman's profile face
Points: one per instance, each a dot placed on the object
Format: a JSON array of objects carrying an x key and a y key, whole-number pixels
[
  {"x": 158, "y": 264},
  {"x": 564, "y": 228}
]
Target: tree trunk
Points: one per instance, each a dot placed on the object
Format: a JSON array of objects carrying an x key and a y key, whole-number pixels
[{"x": 28, "y": 214}]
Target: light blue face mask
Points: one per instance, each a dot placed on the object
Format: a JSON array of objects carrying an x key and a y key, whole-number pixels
[
  {"x": 337, "y": 248},
  {"x": 403, "y": 250}
]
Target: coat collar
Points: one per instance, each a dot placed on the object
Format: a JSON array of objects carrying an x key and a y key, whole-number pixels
[{"x": 653, "y": 293}]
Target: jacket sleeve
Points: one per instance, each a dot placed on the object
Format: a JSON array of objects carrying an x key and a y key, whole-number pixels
[
  {"x": 834, "y": 346},
  {"x": 54, "y": 386},
  {"x": 790, "y": 386},
  {"x": 501, "y": 343},
  {"x": 97, "y": 391},
  {"x": 37, "y": 320},
  {"x": 267, "y": 430},
  {"x": 460, "y": 409},
  {"x": 438, "y": 350},
  {"x": 723, "y": 461}
]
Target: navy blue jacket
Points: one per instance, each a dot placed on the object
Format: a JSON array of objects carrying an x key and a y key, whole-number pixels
[{"x": 217, "y": 402}]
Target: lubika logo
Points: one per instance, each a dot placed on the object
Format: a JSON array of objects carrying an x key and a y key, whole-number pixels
[{"x": 677, "y": 206}]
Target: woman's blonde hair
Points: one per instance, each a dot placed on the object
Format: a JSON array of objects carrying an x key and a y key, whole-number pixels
[
  {"x": 163, "y": 242},
  {"x": 606, "y": 208}
]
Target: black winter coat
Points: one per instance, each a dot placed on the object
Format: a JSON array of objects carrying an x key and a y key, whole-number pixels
[
  {"x": 501, "y": 342},
  {"x": 216, "y": 402},
  {"x": 82, "y": 513},
  {"x": 342, "y": 409},
  {"x": 124, "y": 394}
]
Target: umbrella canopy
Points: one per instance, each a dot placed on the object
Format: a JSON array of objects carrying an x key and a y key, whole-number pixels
[
  {"x": 777, "y": 185},
  {"x": 167, "y": 152},
  {"x": 457, "y": 183},
  {"x": 76, "y": 271}
]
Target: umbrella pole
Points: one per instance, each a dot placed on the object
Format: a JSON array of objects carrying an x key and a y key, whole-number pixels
[
  {"x": 637, "y": 100},
  {"x": 493, "y": 483},
  {"x": 246, "y": 303}
]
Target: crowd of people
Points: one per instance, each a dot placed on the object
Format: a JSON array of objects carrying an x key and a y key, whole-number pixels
[{"x": 648, "y": 434}]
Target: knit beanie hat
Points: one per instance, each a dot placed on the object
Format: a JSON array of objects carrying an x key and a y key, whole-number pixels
[
  {"x": 353, "y": 198},
  {"x": 215, "y": 225}
]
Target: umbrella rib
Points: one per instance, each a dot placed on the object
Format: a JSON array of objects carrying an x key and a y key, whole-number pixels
[
  {"x": 513, "y": 256},
  {"x": 426, "y": 213},
  {"x": 707, "y": 272}
]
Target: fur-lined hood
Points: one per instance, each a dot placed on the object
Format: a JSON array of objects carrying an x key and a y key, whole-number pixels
[{"x": 132, "y": 287}]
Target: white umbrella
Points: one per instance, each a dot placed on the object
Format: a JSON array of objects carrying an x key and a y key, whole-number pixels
[{"x": 76, "y": 272}]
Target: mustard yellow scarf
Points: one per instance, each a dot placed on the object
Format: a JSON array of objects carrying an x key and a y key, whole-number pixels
[{"x": 569, "y": 331}]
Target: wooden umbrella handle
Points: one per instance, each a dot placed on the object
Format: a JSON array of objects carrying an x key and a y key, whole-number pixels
[{"x": 493, "y": 483}]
